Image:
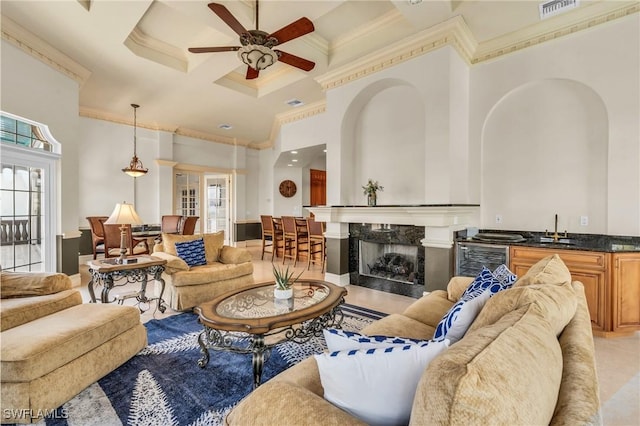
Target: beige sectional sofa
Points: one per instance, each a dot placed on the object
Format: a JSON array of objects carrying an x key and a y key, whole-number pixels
[
  {"x": 226, "y": 268},
  {"x": 54, "y": 346},
  {"x": 527, "y": 359}
]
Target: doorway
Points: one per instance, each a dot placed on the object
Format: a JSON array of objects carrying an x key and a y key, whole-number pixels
[{"x": 218, "y": 205}]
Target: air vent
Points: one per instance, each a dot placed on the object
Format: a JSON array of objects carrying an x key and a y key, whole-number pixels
[
  {"x": 555, "y": 7},
  {"x": 294, "y": 103}
]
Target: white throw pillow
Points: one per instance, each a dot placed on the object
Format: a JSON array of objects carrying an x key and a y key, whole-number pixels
[
  {"x": 505, "y": 276},
  {"x": 341, "y": 340},
  {"x": 376, "y": 385}
]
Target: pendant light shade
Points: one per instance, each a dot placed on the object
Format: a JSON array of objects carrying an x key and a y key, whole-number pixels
[{"x": 136, "y": 168}]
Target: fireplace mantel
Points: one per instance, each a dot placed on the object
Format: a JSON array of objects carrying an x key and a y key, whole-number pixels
[
  {"x": 440, "y": 222},
  {"x": 429, "y": 215}
]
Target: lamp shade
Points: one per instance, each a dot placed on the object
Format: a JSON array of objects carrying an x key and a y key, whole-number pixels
[{"x": 124, "y": 214}]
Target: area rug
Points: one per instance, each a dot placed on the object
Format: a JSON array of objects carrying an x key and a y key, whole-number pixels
[{"x": 163, "y": 385}]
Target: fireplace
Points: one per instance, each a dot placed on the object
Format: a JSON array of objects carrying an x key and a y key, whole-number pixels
[
  {"x": 394, "y": 262},
  {"x": 387, "y": 257}
]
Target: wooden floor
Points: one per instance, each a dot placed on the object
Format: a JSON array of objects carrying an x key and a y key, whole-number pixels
[{"x": 618, "y": 359}]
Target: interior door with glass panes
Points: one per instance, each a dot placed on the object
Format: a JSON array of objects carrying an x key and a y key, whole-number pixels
[
  {"x": 217, "y": 204},
  {"x": 188, "y": 195}
]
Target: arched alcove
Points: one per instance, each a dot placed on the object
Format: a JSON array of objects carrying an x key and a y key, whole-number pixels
[
  {"x": 383, "y": 134},
  {"x": 544, "y": 151}
]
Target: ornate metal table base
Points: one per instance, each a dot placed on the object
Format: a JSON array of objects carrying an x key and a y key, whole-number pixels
[
  {"x": 245, "y": 343},
  {"x": 108, "y": 280}
]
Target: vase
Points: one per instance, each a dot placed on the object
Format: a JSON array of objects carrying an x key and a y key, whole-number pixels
[
  {"x": 283, "y": 294},
  {"x": 371, "y": 199}
]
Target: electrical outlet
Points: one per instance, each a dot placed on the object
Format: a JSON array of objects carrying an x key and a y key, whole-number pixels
[
  {"x": 584, "y": 220},
  {"x": 498, "y": 218}
]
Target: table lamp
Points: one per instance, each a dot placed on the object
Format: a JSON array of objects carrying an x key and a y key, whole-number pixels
[{"x": 124, "y": 214}]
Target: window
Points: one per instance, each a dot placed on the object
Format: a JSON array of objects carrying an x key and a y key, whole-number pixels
[{"x": 27, "y": 195}]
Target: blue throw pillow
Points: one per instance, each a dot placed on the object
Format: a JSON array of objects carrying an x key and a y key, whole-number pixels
[
  {"x": 458, "y": 319},
  {"x": 192, "y": 252}
]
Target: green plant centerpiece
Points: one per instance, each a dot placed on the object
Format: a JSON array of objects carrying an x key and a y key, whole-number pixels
[
  {"x": 284, "y": 282},
  {"x": 371, "y": 191}
]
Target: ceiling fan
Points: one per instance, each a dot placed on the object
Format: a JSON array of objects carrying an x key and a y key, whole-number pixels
[{"x": 257, "y": 46}]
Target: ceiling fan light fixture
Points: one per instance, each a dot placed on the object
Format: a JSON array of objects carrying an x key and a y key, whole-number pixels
[
  {"x": 257, "y": 57},
  {"x": 136, "y": 168}
]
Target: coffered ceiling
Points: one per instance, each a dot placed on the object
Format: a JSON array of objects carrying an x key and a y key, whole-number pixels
[{"x": 124, "y": 52}]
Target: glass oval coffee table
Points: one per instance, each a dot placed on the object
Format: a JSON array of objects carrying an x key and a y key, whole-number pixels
[{"x": 251, "y": 320}]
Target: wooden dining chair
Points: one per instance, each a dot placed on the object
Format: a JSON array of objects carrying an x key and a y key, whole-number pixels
[
  {"x": 189, "y": 225},
  {"x": 112, "y": 241},
  {"x": 97, "y": 234},
  {"x": 317, "y": 243},
  {"x": 171, "y": 224},
  {"x": 268, "y": 236},
  {"x": 294, "y": 242}
]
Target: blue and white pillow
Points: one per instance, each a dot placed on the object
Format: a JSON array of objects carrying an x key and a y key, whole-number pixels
[
  {"x": 192, "y": 252},
  {"x": 376, "y": 385},
  {"x": 505, "y": 276},
  {"x": 455, "y": 323},
  {"x": 341, "y": 340}
]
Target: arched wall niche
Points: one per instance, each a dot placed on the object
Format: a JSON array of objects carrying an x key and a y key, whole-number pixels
[
  {"x": 382, "y": 138},
  {"x": 544, "y": 152}
]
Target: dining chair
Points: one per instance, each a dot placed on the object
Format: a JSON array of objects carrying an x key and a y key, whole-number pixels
[
  {"x": 189, "y": 225},
  {"x": 317, "y": 243},
  {"x": 294, "y": 242},
  {"x": 270, "y": 237},
  {"x": 97, "y": 234},
  {"x": 171, "y": 224},
  {"x": 112, "y": 241}
]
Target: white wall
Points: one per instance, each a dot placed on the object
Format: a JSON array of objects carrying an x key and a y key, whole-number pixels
[
  {"x": 549, "y": 129},
  {"x": 108, "y": 148},
  {"x": 35, "y": 91},
  {"x": 605, "y": 62}
]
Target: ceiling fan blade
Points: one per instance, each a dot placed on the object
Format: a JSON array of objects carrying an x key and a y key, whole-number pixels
[
  {"x": 294, "y": 30},
  {"x": 213, "y": 49},
  {"x": 251, "y": 73},
  {"x": 227, "y": 17},
  {"x": 295, "y": 61}
]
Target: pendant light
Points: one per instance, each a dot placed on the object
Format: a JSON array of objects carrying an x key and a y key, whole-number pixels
[{"x": 135, "y": 169}]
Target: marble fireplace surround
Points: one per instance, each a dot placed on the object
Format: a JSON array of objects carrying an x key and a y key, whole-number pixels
[{"x": 441, "y": 221}]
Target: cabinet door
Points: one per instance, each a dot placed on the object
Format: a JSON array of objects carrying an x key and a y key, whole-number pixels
[
  {"x": 626, "y": 291},
  {"x": 590, "y": 268}
]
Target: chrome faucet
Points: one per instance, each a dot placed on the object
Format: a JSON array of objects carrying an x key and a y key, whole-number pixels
[{"x": 555, "y": 235}]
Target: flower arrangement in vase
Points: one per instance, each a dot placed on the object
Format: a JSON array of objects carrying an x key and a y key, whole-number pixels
[
  {"x": 370, "y": 190},
  {"x": 284, "y": 282}
]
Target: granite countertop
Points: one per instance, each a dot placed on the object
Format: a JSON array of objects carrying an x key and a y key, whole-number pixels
[{"x": 585, "y": 242}]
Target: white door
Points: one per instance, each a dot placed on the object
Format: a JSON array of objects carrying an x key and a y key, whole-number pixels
[{"x": 217, "y": 205}]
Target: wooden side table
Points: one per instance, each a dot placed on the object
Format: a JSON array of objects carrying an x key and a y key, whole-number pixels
[{"x": 111, "y": 274}]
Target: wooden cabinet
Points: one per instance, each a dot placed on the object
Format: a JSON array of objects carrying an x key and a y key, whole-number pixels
[
  {"x": 590, "y": 268},
  {"x": 625, "y": 292}
]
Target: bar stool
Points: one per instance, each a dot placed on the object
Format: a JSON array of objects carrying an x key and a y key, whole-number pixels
[
  {"x": 293, "y": 241},
  {"x": 317, "y": 243},
  {"x": 269, "y": 235}
]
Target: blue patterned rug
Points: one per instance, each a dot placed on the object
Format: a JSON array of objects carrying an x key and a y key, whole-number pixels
[{"x": 163, "y": 385}]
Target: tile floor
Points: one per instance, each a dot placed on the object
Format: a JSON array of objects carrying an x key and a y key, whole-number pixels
[{"x": 618, "y": 359}]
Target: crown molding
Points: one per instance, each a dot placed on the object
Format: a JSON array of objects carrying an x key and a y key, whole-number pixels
[
  {"x": 104, "y": 116},
  {"x": 455, "y": 32},
  {"x": 554, "y": 28},
  {"x": 101, "y": 115},
  {"x": 166, "y": 163},
  {"x": 147, "y": 47},
  {"x": 364, "y": 31},
  {"x": 207, "y": 169},
  {"x": 426, "y": 41},
  {"x": 296, "y": 114},
  {"x": 43, "y": 51}
]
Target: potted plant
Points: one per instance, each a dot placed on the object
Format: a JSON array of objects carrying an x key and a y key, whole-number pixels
[
  {"x": 370, "y": 190},
  {"x": 284, "y": 282}
]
